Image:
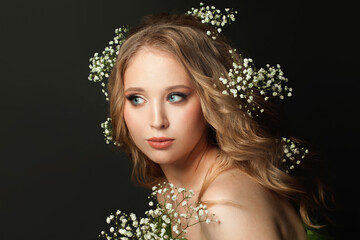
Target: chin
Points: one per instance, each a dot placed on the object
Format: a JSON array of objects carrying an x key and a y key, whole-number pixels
[
  {"x": 161, "y": 160},
  {"x": 162, "y": 157}
]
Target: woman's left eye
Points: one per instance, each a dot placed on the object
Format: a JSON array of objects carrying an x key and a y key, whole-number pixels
[{"x": 176, "y": 97}]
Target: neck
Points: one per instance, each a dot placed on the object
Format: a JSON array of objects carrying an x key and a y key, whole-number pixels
[{"x": 190, "y": 173}]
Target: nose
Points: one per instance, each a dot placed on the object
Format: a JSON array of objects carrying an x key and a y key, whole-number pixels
[{"x": 159, "y": 118}]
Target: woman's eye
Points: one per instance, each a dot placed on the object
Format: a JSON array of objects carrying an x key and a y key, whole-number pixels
[
  {"x": 176, "y": 97},
  {"x": 135, "y": 100}
]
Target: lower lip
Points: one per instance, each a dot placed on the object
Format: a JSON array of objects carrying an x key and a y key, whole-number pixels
[{"x": 161, "y": 145}]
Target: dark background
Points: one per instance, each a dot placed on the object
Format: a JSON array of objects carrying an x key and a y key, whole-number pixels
[{"x": 59, "y": 180}]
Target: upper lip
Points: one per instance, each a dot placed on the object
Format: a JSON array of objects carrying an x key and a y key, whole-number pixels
[{"x": 159, "y": 139}]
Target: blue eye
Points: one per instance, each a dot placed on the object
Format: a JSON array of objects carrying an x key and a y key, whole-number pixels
[
  {"x": 135, "y": 100},
  {"x": 176, "y": 97}
]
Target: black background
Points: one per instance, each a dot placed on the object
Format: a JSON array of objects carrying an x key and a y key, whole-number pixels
[{"x": 59, "y": 180}]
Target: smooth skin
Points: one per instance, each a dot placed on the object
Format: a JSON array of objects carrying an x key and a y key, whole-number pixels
[{"x": 161, "y": 102}]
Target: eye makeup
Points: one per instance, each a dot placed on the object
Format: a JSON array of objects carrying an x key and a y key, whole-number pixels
[{"x": 135, "y": 99}]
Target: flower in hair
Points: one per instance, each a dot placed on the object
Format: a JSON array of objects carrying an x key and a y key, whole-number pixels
[
  {"x": 108, "y": 132},
  {"x": 244, "y": 79},
  {"x": 293, "y": 154},
  {"x": 102, "y": 65},
  {"x": 214, "y": 17}
]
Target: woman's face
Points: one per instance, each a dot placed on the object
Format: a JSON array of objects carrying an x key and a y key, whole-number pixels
[{"x": 162, "y": 110}]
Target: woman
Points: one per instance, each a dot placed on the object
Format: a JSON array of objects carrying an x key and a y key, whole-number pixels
[{"x": 170, "y": 113}]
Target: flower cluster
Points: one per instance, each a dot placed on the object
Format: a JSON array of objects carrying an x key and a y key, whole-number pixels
[
  {"x": 108, "y": 132},
  {"x": 101, "y": 66},
  {"x": 293, "y": 154},
  {"x": 243, "y": 80},
  {"x": 214, "y": 17},
  {"x": 169, "y": 220}
]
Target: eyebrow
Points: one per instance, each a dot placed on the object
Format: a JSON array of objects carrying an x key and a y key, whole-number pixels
[{"x": 138, "y": 89}]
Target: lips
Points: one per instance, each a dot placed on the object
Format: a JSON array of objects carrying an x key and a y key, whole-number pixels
[{"x": 160, "y": 142}]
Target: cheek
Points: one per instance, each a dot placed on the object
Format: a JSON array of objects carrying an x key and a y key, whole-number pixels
[
  {"x": 191, "y": 119},
  {"x": 132, "y": 121}
]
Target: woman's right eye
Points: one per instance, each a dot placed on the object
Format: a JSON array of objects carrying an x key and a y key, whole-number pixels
[{"x": 135, "y": 100}]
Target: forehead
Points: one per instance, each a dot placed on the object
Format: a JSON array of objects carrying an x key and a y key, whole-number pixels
[{"x": 151, "y": 67}]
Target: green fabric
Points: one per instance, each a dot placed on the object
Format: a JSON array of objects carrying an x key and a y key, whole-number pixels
[{"x": 317, "y": 234}]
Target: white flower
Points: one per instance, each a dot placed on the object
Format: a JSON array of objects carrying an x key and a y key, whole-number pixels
[
  {"x": 175, "y": 229},
  {"x": 168, "y": 206},
  {"x": 132, "y": 216},
  {"x": 150, "y": 228}
]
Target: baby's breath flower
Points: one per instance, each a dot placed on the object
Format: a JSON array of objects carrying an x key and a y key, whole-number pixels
[
  {"x": 161, "y": 221},
  {"x": 269, "y": 82},
  {"x": 201, "y": 212},
  {"x": 293, "y": 154},
  {"x": 168, "y": 206},
  {"x": 214, "y": 17}
]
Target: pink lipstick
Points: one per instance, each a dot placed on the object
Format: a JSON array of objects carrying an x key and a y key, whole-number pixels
[{"x": 160, "y": 142}]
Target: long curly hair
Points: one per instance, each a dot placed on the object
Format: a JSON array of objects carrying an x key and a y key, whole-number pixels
[{"x": 251, "y": 144}]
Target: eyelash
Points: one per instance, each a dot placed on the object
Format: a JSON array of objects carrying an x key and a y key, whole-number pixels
[
  {"x": 183, "y": 97},
  {"x": 131, "y": 98}
]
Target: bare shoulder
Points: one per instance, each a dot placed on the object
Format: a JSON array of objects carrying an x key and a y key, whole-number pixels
[
  {"x": 247, "y": 210},
  {"x": 237, "y": 187}
]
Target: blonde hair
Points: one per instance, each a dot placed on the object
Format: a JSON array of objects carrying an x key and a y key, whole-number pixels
[{"x": 252, "y": 145}]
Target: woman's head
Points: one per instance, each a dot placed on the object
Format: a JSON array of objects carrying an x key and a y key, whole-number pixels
[
  {"x": 162, "y": 111},
  {"x": 251, "y": 144},
  {"x": 183, "y": 41}
]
